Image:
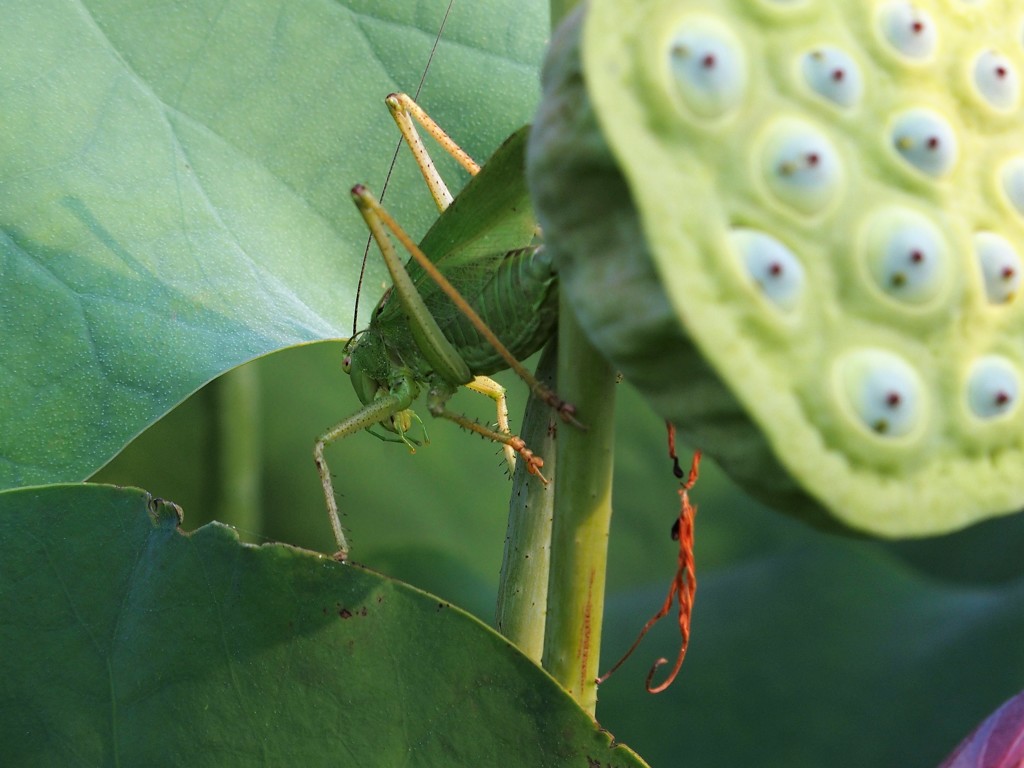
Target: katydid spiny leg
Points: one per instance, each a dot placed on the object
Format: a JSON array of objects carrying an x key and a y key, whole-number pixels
[
  {"x": 375, "y": 412},
  {"x": 404, "y": 110},
  {"x": 487, "y": 386}
]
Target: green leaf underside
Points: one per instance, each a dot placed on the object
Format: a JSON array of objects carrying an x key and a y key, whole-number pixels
[
  {"x": 696, "y": 179},
  {"x": 128, "y": 642},
  {"x": 173, "y": 191}
]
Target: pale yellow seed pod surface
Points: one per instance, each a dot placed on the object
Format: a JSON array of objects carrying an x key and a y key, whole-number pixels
[{"x": 832, "y": 195}]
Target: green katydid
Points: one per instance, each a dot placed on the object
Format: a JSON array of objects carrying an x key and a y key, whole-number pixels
[{"x": 480, "y": 266}]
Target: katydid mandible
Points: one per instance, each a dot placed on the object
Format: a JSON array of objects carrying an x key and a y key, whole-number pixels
[{"x": 478, "y": 295}]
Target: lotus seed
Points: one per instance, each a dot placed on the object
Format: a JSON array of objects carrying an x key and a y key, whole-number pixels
[
  {"x": 801, "y": 167},
  {"x": 993, "y": 387},
  {"x": 909, "y": 30},
  {"x": 708, "y": 67},
  {"x": 925, "y": 140},
  {"x": 906, "y": 255},
  {"x": 834, "y": 75},
  {"x": 1012, "y": 179},
  {"x": 1000, "y": 266},
  {"x": 884, "y": 392},
  {"x": 996, "y": 80},
  {"x": 772, "y": 266}
]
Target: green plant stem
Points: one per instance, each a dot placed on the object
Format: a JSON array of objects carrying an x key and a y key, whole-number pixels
[
  {"x": 523, "y": 585},
  {"x": 583, "y": 495},
  {"x": 239, "y": 445}
]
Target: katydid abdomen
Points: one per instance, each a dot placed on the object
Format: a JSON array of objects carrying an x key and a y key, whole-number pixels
[{"x": 519, "y": 302}]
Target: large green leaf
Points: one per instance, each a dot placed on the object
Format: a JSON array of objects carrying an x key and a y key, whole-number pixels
[
  {"x": 126, "y": 642},
  {"x": 174, "y": 190}
]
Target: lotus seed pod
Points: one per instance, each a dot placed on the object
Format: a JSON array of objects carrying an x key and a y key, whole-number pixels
[{"x": 810, "y": 215}]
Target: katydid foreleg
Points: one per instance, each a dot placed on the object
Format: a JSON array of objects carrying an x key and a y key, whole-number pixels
[{"x": 383, "y": 408}]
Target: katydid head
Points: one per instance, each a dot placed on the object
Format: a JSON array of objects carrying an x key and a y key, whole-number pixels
[{"x": 372, "y": 371}]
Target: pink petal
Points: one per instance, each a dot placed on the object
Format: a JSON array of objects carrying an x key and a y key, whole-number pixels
[{"x": 997, "y": 743}]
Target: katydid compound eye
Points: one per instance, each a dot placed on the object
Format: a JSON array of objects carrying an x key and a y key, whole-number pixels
[
  {"x": 346, "y": 364},
  {"x": 1000, "y": 266},
  {"x": 772, "y": 266},
  {"x": 883, "y": 391},
  {"x": 926, "y": 141},
  {"x": 833, "y": 75},
  {"x": 993, "y": 387},
  {"x": 708, "y": 67}
]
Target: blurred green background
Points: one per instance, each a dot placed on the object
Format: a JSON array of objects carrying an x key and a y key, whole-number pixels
[{"x": 807, "y": 649}]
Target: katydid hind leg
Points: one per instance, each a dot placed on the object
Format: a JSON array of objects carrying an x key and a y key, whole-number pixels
[
  {"x": 492, "y": 389},
  {"x": 437, "y": 403},
  {"x": 406, "y": 113}
]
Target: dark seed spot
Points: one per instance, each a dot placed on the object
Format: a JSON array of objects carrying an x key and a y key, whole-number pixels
[
  {"x": 813, "y": 159},
  {"x": 893, "y": 399},
  {"x": 932, "y": 143},
  {"x": 838, "y": 75},
  {"x": 1008, "y": 273},
  {"x": 1002, "y": 398},
  {"x": 345, "y": 613},
  {"x": 916, "y": 256},
  {"x": 774, "y": 269},
  {"x": 708, "y": 62}
]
